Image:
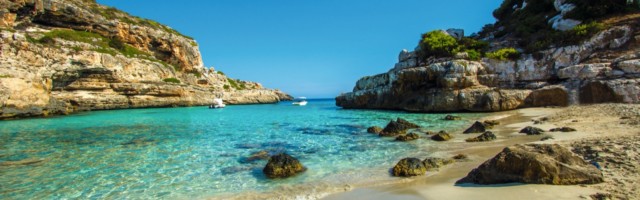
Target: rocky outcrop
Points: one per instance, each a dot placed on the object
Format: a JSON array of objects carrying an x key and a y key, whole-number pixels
[
  {"x": 398, "y": 127},
  {"x": 530, "y": 130},
  {"x": 409, "y": 167},
  {"x": 600, "y": 69},
  {"x": 477, "y": 127},
  {"x": 535, "y": 163},
  {"x": 374, "y": 130},
  {"x": 408, "y": 137},
  {"x": 283, "y": 166},
  {"x": 441, "y": 136},
  {"x": 485, "y": 137},
  {"x": 59, "y": 57}
]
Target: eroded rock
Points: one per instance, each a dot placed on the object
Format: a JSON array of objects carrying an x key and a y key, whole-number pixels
[
  {"x": 530, "y": 130},
  {"x": 485, "y": 137},
  {"x": 283, "y": 166},
  {"x": 409, "y": 167},
  {"x": 535, "y": 163}
]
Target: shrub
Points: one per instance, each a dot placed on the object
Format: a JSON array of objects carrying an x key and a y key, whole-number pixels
[
  {"x": 473, "y": 54},
  {"x": 439, "y": 44},
  {"x": 221, "y": 73},
  {"x": 171, "y": 80},
  {"x": 116, "y": 43},
  {"x": 226, "y": 87},
  {"x": 504, "y": 54}
]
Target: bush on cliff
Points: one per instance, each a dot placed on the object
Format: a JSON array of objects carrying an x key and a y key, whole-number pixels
[
  {"x": 171, "y": 80},
  {"x": 439, "y": 44},
  {"x": 504, "y": 54}
]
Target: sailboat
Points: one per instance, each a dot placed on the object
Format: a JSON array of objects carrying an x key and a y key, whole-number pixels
[
  {"x": 217, "y": 103},
  {"x": 300, "y": 101}
]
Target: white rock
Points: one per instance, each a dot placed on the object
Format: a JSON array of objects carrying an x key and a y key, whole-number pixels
[{"x": 630, "y": 66}]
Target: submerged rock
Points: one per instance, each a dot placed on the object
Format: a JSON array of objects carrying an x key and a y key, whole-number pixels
[
  {"x": 452, "y": 118},
  {"x": 394, "y": 128},
  {"x": 530, "y": 130},
  {"x": 28, "y": 161},
  {"x": 407, "y": 137},
  {"x": 139, "y": 141},
  {"x": 535, "y": 163},
  {"x": 282, "y": 166},
  {"x": 374, "y": 129},
  {"x": 435, "y": 163},
  {"x": 409, "y": 167},
  {"x": 260, "y": 155},
  {"x": 477, "y": 127},
  {"x": 563, "y": 129},
  {"x": 441, "y": 136},
  {"x": 491, "y": 123},
  {"x": 485, "y": 137}
]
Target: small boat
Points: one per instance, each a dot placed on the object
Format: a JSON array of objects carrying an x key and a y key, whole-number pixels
[
  {"x": 217, "y": 103},
  {"x": 300, "y": 101}
]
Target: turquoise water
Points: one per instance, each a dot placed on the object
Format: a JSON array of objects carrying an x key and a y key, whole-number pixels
[{"x": 197, "y": 152}]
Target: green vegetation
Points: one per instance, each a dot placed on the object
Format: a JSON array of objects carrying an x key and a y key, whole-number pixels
[
  {"x": 195, "y": 73},
  {"x": 236, "y": 85},
  {"x": 530, "y": 27},
  {"x": 5, "y": 76},
  {"x": 504, "y": 54},
  {"x": 171, "y": 80},
  {"x": 221, "y": 73},
  {"x": 440, "y": 44},
  {"x": 226, "y": 87}
]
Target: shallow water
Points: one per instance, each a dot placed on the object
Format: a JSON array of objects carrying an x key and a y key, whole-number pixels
[{"x": 197, "y": 152}]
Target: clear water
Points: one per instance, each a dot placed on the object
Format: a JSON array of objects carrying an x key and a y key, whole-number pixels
[{"x": 197, "y": 152}]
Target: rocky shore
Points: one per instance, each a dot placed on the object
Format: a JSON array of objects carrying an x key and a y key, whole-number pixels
[
  {"x": 603, "y": 148},
  {"x": 60, "y": 57}
]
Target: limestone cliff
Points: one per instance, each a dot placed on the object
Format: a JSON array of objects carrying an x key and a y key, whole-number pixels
[
  {"x": 602, "y": 68},
  {"x": 63, "y": 56}
]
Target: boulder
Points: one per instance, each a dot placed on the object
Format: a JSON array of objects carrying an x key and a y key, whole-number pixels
[
  {"x": 535, "y": 163},
  {"x": 477, "y": 127},
  {"x": 282, "y": 166},
  {"x": 407, "y": 137},
  {"x": 435, "y": 163},
  {"x": 485, "y": 137},
  {"x": 451, "y": 117},
  {"x": 441, "y": 136},
  {"x": 529, "y": 130},
  {"x": 563, "y": 129},
  {"x": 398, "y": 127},
  {"x": 374, "y": 129},
  {"x": 409, "y": 167}
]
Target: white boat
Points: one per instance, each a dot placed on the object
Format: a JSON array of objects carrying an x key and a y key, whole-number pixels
[
  {"x": 300, "y": 101},
  {"x": 217, "y": 103}
]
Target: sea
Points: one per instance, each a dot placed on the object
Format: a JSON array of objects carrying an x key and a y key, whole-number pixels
[{"x": 201, "y": 153}]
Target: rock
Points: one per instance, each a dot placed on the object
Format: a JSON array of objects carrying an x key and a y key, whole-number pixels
[
  {"x": 441, "y": 136},
  {"x": 535, "y": 163},
  {"x": 456, "y": 33},
  {"x": 477, "y": 127},
  {"x": 529, "y": 130},
  {"x": 491, "y": 123},
  {"x": 29, "y": 161},
  {"x": 435, "y": 163},
  {"x": 69, "y": 76},
  {"x": 485, "y": 137},
  {"x": 398, "y": 127},
  {"x": 260, "y": 155},
  {"x": 407, "y": 137},
  {"x": 563, "y": 129},
  {"x": 451, "y": 118},
  {"x": 374, "y": 129},
  {"x": 409, "y": 167},
  {"x": 545, "y": 138},
  {"x": 460, "y": 157},
  {"x": 282, "y": 166},
  {"x": 559, "y": 76}
]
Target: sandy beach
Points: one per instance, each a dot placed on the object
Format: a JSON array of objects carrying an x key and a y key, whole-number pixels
[{"x": 611, "y": 129}]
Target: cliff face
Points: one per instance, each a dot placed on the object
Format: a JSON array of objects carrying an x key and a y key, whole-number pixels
[
  {"x": 604, "y": 68},
  {"x": 59, "y": 57}
]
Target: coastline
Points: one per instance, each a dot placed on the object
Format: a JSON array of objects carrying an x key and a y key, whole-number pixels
[{"x": 592, "y": 126}]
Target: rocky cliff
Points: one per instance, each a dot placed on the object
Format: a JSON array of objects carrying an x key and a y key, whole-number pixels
[
  {"x": 604, "y": 67},
  {"x": 63, "y": 56}
]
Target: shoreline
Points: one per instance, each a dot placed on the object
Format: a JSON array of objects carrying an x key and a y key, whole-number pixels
[{"x": 441, "y": 184}]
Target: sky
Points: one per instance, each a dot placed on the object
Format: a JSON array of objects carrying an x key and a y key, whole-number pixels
[{"x": 312, "y": 48}]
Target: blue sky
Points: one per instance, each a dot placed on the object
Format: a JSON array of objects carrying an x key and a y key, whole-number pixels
[{"x": 313, "y": 48}]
